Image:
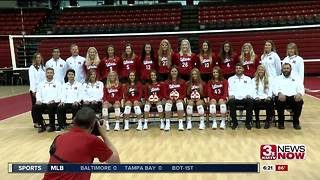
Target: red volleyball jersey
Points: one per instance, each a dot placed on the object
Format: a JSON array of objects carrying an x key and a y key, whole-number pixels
[
  {"x": 179, "y": 86},
  {"x": 107, "y": 65},
  {"x": 250, "y": 67},
  {"x": 128, "y": 65},
  {"x": 154, "y": 89},
  {"x": 228, "y": 65},
  {"x": 191, "y": 87},
  {"x": 185, "y": 63},
  {"x": 164, "y": 61},
  {"x": 113, "y": 94},
  {"x": 146, "y": 66},
  {"x": 133, "y": 92},
  {"x": 205, "y": 65},
  {"x": 217, "y": 90}
]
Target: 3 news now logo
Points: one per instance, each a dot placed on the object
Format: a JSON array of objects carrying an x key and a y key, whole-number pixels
[{"x": 282, "y": 151}]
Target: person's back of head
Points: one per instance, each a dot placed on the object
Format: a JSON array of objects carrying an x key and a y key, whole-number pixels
[{"x": 85, "y": 117}]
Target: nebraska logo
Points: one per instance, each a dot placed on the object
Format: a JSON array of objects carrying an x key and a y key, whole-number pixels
[{"x": 282, "y": 151}]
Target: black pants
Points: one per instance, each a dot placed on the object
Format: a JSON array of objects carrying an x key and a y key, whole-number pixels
[
  {"x": 248, "y": 105},
  {"x": 40, "y": 109},
  {"x": 96, "y": 107},
  {"x": 291, "y": 103},
  {"x": 33, "y": 100},
  {"x": 263, "y": 104},
  {"x": 62, "y": 111}
]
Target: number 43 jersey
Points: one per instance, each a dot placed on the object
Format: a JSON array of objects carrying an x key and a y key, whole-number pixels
[
  {"x": 217, "y": 90},
  {"x": 113, "y": 93}
]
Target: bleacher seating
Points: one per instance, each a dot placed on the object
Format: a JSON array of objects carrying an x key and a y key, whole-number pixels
[
  {"x": 119, "y": 19},
  {"x": 231, "y": 15}
]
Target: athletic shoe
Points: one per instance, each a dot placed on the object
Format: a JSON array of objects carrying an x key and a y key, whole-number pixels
[
  {"x": 181, "y": 128},
  {"x": 161, "y": 124},
  {"x": 117, "y": 126},
  {"x": 145, "y": 125},
  {"x": 214, "y": 125},
  {"x": 167, "y": 127},
  {"x": 248, "y": 126},
  {"x": 139, "y": 128},
  {"x": 126, "y": 125},
  {"x": 202, "y": 126},
  {"x": 222, "y": 124},
  {"x": 189, "y": 125},
  {"x": 234, "y": 126},
  {"x": 107, "y": 125}
]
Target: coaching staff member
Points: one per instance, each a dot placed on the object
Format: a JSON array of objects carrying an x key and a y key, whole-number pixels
[
  {"x": 289, "y": 90},
  {"x": 78, "y": 145}
]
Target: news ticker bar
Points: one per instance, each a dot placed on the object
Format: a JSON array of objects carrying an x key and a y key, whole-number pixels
[{"x": 135, "y": 168}]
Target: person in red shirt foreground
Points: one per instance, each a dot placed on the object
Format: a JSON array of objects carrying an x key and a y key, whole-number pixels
[{"x": 78, "y": 145}]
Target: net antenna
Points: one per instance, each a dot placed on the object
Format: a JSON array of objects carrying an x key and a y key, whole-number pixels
[{"x": 23, "y": 32}]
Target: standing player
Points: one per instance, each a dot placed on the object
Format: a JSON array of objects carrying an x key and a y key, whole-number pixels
[
  {"x": 147, "y": 63},
  {"x": 271, "y": 60},
  {"x": 92, "y": 91},
  {"x": 295, "y": 61},
  {"x": 48, "y": 97},
  {"x": 76, "y": 62},
  {"x": 227, "y": 60},
  {"x": 109, "y": 63},
  {"x": 240, "y": 93},
  {"x": 165, "y": 57},
  {"x": 175, "y": 92},
  {"x": 153, "y": 93},
  {"x": 185, "y": 60},
  {"x": 129, "y": 62},
  {"x": 206, "y": 61},
  {"x": 70, "y": 98},
  {"x": 249, "y": 60},
  {"x": 262, "y": 96},
  {"x": 36, "y": 75},
  {"x": 132, "y": 92},
  {"x": 112, "y": 98},
  {"x": 217, "y": 90},
  {"x": 289, "y": 90},
  {"x": 196, "y": 92},
  {"x": 58, "y": 65},
  {"x": 92, "y": 61}
]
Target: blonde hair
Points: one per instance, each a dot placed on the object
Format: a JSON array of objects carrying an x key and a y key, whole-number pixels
[
  {"x": 293, "y": 46},
  {"x": 169, "y": 52},
  {"x": 96, "y": 60},
  {"x": 34, "y": 57},
  {"x": 251, "y": 53},
  {"x": 265, "y": 78},
  {"x": 108, "y": 82},
  {"x": 185, "y": 41},
  {"x": 192, "y": 81}
]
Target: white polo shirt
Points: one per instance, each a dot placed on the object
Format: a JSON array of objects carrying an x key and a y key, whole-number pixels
[
  {"x": 60, "y": 68},
  {"x": 260, "y": 92},
  {"x": 288, "y": 86},
  {"x": 71, "y": 93},
  {"x": 272, "y": 63},
  {"x": 48, "y": 91},
  {"x": 297, "y": 65},
  {"x": 36, "y": 76},
  {"x": 92, "y": 92},
  {"x": 240, "y": 87},
  {"x": 77, "y": 64}
]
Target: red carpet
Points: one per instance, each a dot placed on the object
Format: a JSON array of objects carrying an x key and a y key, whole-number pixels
[
  {"x": 312, "y": 86},
  {"x": 14, "y": 105}
]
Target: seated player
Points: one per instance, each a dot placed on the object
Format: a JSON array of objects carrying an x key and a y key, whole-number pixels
[
  {"x": 217, "y": 90},
  {"x": 196, "y": 92},
  {"x": 112, "y": 98},
  {"x": 289, "y": 90},
  {"x": 47, "y": 98},
  {"x": 262, "y": 96},
  {"x": 153, "y": 93},
  {"x": 132, "y": 92},
  {"x": 70, "y": 99},
  {"x": 92, "y": 91},
  {"x": 175, "y": 92},
  {"x": 240, "y": 93}
]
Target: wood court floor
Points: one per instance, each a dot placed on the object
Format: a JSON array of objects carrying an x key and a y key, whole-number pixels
[{"x": 20, "y": 142}]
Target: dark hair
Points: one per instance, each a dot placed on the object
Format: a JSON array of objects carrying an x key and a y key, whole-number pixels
[
  {"x": 132, "y": 55},
  {"x": 222, "y": 54},
  {"x": 55, "y": 48},
  {"x": 143, "y": 53},
  {"x": 71, "y": 70},
  {"x": 286, "y": 64},
  {"x": 220, "y": 78},
  {"x": 85, "y": 117},
  {"x": 174, "y": 67},
  {"x": 135, "y": 77},
  {"x": 209, "y": 49},
  {"x": 150, "y": 80},
  {"x": 49, "y": 68},
  {"x": 239, "y": 64},
  {"x": 114, "y": 50}
]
